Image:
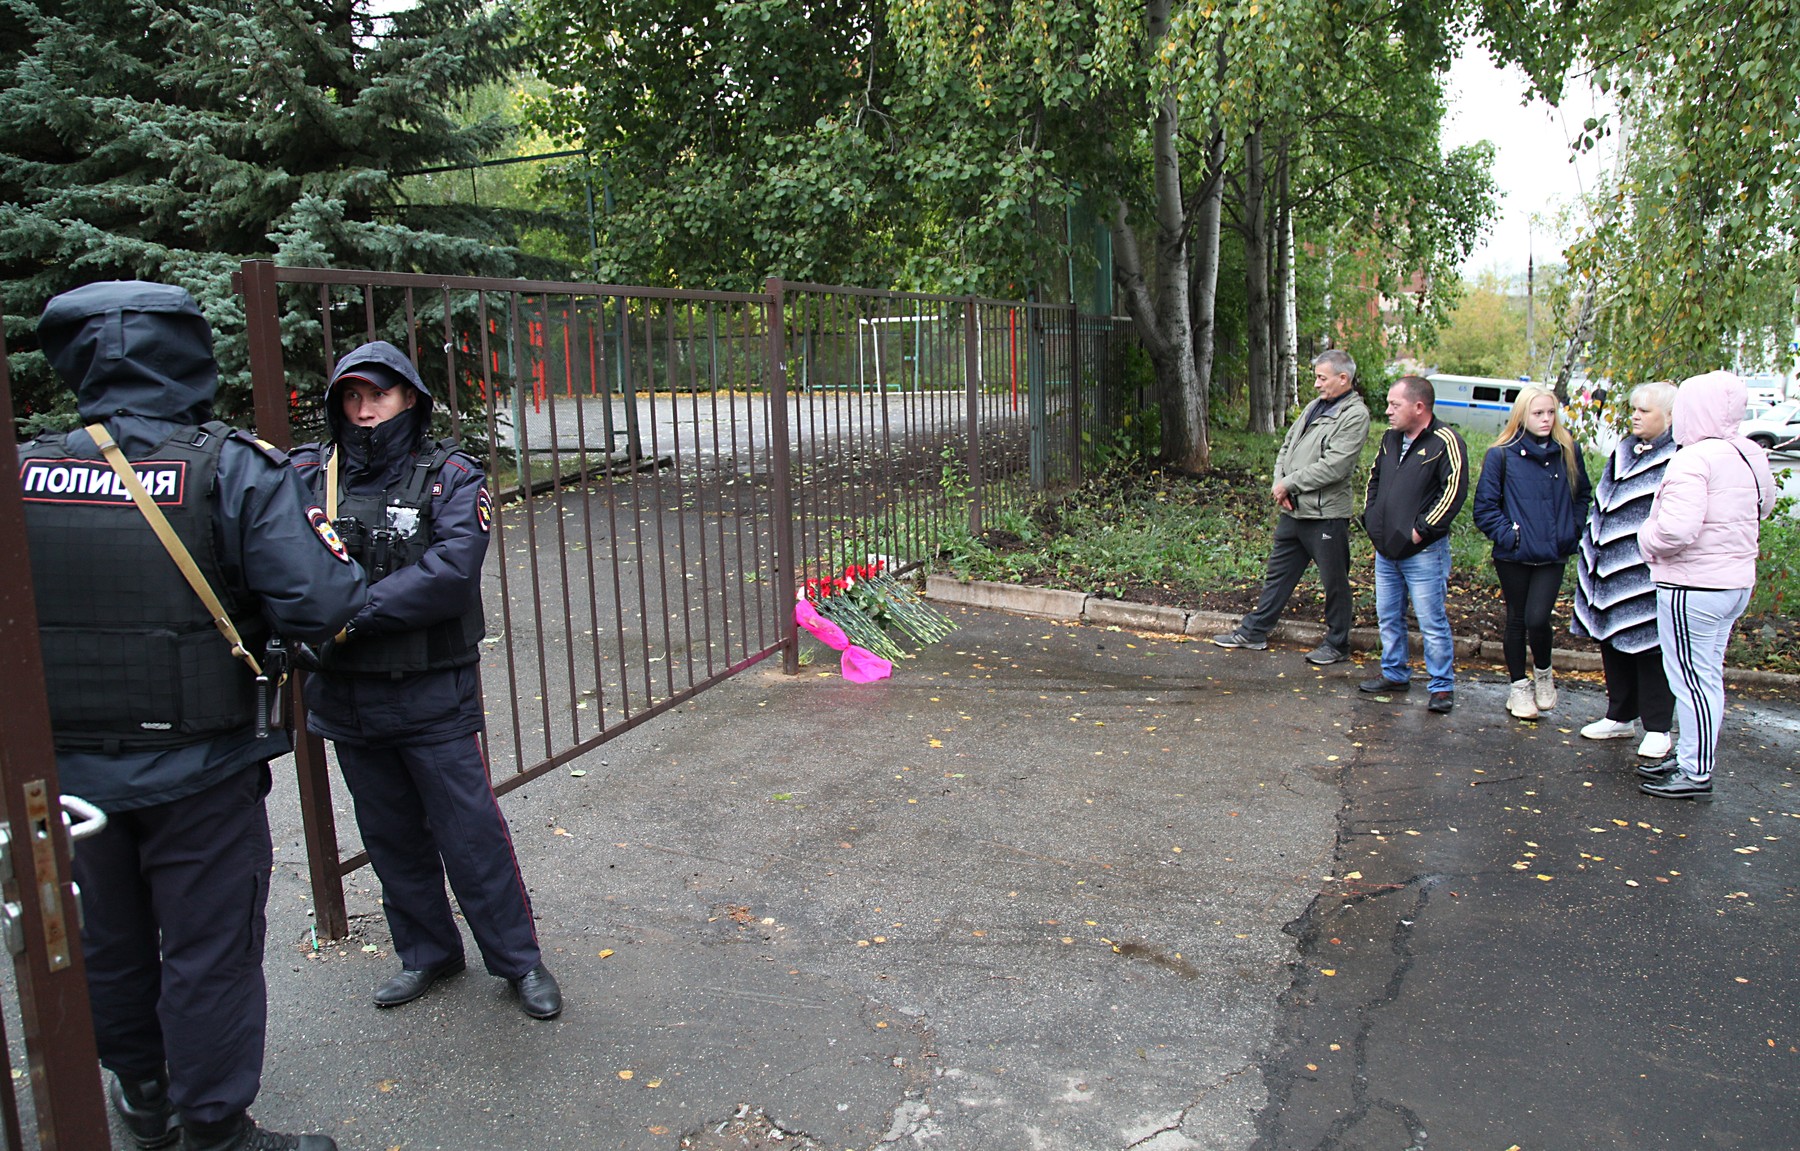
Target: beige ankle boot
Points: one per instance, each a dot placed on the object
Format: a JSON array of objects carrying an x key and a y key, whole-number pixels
[
  {"x": 1521, "y": 702},
  {"x": 1543, "y": 688}
]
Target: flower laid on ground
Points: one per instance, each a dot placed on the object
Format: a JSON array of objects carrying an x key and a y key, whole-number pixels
[{"x": 869, "y": 604}]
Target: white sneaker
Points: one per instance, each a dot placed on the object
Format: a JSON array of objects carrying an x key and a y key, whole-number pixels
[
  {"x": 1656, "y": 745},
  {"x": 1521, "y": 701},
  {"x": 1543, "y": 687},
  {"x": 1608, "y": 729}
]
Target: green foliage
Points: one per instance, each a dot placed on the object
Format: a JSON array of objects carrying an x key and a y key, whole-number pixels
[
  {"x": 171, "y": 139},
  {"x": 737, "y": 139},
  {"x": 1486, "y": 333},
  {"x": 1690, "y": 253}
]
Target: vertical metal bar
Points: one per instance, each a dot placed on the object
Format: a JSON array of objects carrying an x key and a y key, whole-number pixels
[
  {"x": 1035, "y": 406},
  {"x": 497, "y": 546},
  {"x": 787, "y": 579},
  {"x": 52, "y": 978},
  {"x": 699, "y": 483},
  {"x": 451, "y": 381},
  {"x": 612, "y": 529},
  {"x": 637, "y": 487},
  {"x": 521, "y": 380},
  {"x": 972, "y": 392},
  {"x": 587, "y": 525},
  {"x": 318, "y": 818},
  {"x": 656, "y": 476},
  {"x": 1076, "y": 407},
  {"x": 755, "y": 397},
  {"x": 325, "y": 328},
  {"x": 556, "y": 498}
]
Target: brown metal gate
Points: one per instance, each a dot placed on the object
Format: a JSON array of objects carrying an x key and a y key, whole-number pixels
[{"x": 669, "y": 466}]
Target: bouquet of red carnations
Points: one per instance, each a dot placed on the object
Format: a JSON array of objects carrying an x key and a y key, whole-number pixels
[{"x": 867, "y": 603}]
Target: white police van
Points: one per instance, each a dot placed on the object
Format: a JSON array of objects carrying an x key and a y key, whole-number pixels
[{"x": 1475, "y": 403}]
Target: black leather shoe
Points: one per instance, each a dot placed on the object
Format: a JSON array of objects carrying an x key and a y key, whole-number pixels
[
  {"x": 245, "y": 1134},
  {"x": 412, "y": 983},
  {"x": 1660, "y": 770},
  {"x": 143, "y": 1106},
  {"x": 1382, "y": 686},
  {"x": 539, "y": 996},
  {"x": 1442, "y": 702}
]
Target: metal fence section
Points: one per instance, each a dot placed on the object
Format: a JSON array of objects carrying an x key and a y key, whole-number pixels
[
  {"x": 670, "y": 464},
  {"x": 919, "y": 417}
]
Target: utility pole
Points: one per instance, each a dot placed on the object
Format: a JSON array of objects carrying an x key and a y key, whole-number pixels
[{"x": 1530, "y": 306}]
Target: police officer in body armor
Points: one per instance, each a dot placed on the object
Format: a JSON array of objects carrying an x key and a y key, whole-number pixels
[
  {"x": 399, "y": 690},
  {"x": 154, "y": 716}
]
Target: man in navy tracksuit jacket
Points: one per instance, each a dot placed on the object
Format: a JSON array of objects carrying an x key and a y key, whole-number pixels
[
  {"x": 399, "y": 693},
  {"x": 154, "y": 718},
  {"x": 1417, "y": 486}
]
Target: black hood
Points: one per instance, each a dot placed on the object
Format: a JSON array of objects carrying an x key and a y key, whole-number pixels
[
  {"x": 129, "y": 347},
  {"x": 385, "y": 366}
]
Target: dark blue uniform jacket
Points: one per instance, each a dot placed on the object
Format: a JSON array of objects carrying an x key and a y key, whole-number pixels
[
  {"x": 426, "y": 707},
  {"x": 139, "y": 359},
  {"x": 1524, "y": 503}
]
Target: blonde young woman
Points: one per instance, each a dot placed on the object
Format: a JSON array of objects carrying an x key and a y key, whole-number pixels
[{"x": 1531, "y": 502}]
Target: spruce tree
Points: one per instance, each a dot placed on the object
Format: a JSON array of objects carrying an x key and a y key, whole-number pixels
[{"x": 172, "y": 139}]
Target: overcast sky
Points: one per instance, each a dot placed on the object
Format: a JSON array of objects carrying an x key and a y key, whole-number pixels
[{"x": 1531, "y": 163}]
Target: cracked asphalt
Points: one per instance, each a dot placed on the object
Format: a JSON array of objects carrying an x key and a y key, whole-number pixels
[{"x": 1079, "y": 889}]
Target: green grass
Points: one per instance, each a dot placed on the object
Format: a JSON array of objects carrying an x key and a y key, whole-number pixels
[{"x": 1140, "y": 532}]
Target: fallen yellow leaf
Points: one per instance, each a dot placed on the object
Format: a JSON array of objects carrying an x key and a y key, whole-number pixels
[
  {"x": 606, "y": 953},
  {"x": 627, "y": 1073}
]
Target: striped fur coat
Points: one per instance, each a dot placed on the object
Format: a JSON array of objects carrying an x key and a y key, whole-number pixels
[{"x": 1615, "y": 598}]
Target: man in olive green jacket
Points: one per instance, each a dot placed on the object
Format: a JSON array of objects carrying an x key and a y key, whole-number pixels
[{"x": 1312, "y": 488}]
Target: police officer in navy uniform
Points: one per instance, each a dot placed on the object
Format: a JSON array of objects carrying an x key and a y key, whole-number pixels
[
  {"x": 399, "y": 691},
  {"x": 154, "y": 717}
]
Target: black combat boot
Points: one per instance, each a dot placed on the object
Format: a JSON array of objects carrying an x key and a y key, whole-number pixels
[
  {"x": 143, "y": 1106},
  {"x": 242, "y": 1133}
]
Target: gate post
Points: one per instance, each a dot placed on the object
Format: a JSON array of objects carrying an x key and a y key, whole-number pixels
[
  {"x": 268, "y": 384},
  {"x": 787, "y": 564},
  {"x": 52, "y": 978},
  {"x": 972, "y": 394}
]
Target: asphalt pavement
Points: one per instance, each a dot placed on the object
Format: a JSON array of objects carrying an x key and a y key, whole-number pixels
[{"x": 1078, "y": 888}]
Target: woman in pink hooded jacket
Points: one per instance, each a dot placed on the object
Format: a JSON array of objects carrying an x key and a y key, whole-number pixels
[{"x": 1701, "y": 542}]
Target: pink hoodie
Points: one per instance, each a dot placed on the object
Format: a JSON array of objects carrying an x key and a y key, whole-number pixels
[{"x": 1704, "y": 523}]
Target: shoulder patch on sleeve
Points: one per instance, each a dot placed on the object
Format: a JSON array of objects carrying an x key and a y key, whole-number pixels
[
  {"x": 484, "y": 509},
  {"x": 321, "y": 526},
  {"x": 272, "y": 453}
]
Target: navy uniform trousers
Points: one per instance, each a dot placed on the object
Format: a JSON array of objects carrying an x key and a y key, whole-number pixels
[
  {"x": 173, "y": 900},
  {"x": 427, "y": 811}
]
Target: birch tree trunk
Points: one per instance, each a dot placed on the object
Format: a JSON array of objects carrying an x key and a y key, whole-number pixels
[
  {"x": 1287, "y": 341},
  {"x": 1160, "y": 312},
  {"x": 1204, "y": 282},
  {"x": 1256, "y": 282}
]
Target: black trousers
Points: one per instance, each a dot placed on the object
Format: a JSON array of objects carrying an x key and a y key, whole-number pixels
[
  {"x": 173, "y": 897},
  {"x": 427, "y": 811},
  {"x": 1530, "y": 592},
  {"x": 1637, "y": 687},
  {"x": 1298, "y": 543}
]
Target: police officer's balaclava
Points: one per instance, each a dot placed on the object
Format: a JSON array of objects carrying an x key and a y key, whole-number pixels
[{"x": 376, "y": 446}]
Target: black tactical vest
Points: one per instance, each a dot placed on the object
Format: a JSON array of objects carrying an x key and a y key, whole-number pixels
[
  {"x": 385, "y": 532},
  {"x": 132, "y": 661}
]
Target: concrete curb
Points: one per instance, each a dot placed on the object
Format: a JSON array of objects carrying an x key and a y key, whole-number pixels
[{"x": 1071, "y": 605}]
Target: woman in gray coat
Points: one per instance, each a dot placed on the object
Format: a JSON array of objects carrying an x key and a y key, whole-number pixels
[{"x": 1615, "y": 598}]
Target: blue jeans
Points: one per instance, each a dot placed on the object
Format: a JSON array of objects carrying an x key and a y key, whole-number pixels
[{"x": 1421, "y": 578}]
